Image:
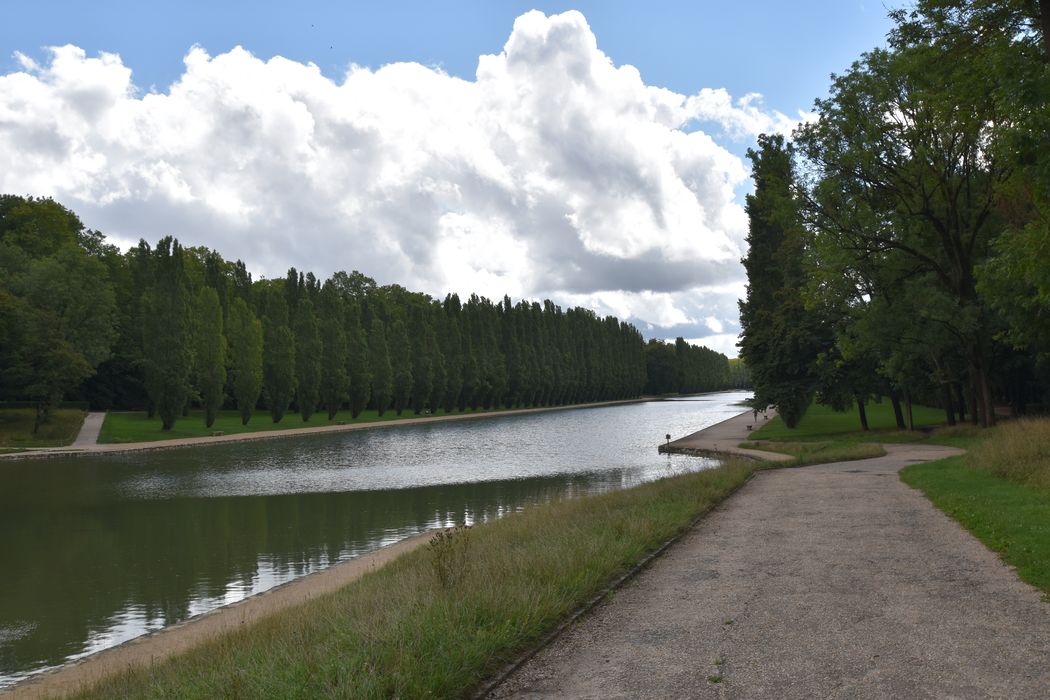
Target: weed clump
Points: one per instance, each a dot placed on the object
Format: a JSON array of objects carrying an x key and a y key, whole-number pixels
[
  {"x": 449, "y": 555},
  {"x": 1018, "y": 451}
]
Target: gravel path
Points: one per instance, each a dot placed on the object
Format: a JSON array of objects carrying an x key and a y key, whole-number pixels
[{"x": 828, "y": 581}]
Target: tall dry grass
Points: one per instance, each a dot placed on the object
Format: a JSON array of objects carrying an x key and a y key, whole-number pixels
[{"x": 1018, "y": 450}]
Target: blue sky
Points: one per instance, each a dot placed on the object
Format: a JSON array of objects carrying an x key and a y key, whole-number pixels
[
  {"x": 546, "y": 168},
  {"x": 783, "y": 50}
]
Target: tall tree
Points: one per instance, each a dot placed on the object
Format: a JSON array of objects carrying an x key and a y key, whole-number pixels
[
  {"x": 245, "y": 337},
  {"x": 382, "y": 371},
  {"x": 308, "y": 353},
  {"x": 401, "y": 361},
  {"x": 335, "y": 379},
  {"x": 278, "y": 352},
  {"x": 209, "y": 356},
  {"x": 167, "y": 334},
  {"x": 779, "y": 339},
  {"x": 358, "y": 360}
]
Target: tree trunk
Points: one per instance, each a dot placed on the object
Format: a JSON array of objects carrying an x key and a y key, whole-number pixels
[
  {"x": 907, "y": 405},
  {"x": 949, "y": 407},
  {"x": 862, "y": 413},
  {"x": 971, "y": 399},
  {"x": 981, "y": 388},
  {"x": 960, "y": 400},
  {"x": 898, "y": 415},
  {"x": 1044, "y": 13}
]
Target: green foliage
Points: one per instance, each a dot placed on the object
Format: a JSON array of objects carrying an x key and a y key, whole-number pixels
[
  {"x": 401, "y": 362},
  {"x": 335, "y": 351},
  {"x": 308, "y": 354},
  {"x": 278, "y": 352},
  {"x": 359, "y": 367},
  {"x": 245, "y": 338},
  {"x": 167, "y": 334},
  {"x": 382, "y": 370},
  {"x": 780, "y": 338},
  {"x": 209, "y": 353}
]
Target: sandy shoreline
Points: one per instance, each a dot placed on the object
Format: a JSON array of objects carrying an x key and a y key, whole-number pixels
[
  {"x": 109, "y": 448},
  {"x": 181, "y": 637}
]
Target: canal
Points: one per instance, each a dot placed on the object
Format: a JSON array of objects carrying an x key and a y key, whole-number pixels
[{"x": 101, "y": 549}]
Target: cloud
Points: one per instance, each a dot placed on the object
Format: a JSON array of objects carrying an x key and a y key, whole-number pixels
[{"x": 554, "y": 173}]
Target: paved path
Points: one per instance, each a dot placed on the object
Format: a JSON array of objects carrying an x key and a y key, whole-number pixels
[
  {"x": 725, "y": 436},
  {"x": 833, "y": 581},
  {"x": 89, "y": 431}
]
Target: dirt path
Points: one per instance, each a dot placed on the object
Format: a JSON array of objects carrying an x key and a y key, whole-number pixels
[
  {"x": 94, "y": 448},
  {"x": 170, "y": 641},
  {"x": 829, "y": 581}
]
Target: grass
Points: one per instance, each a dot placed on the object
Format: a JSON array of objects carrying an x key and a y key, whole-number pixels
[
  {"x": 135, "y": 426},
  {"x": 824, "y": 423},
  {"x": 818, "y": 452},
  {"x": 440, "y": 620},
  {"x": 1009, "y": 518},
  {"x": 16, "y": 428},
  {"x": 999, "y": 491},
  {"x": 1018, "y": 451}
]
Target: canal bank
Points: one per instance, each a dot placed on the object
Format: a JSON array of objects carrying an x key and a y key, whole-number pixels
[
  {"x": 87, "y": 445},
  {"x": 105, "y": 547},
  {"x": 144, "y": 651},
  {"x": 724, "y": 439}
]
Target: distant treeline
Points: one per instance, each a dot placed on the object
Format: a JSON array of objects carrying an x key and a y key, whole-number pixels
[{"x": 166, "y": 327}]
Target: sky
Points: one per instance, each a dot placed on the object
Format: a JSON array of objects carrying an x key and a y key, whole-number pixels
[{"x": 590, "y": 153}]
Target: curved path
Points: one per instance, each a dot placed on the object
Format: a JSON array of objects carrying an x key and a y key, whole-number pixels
[{"x": 828, "y": 581}]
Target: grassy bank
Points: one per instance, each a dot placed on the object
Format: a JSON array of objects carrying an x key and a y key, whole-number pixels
[
  {"x": 806, "y": 453},
  {"x": 999, "y": 491},
  {"x": 16, "y": 428},
  {"x": 440, "y": 620},
  {"x": 135, "y": 426}
]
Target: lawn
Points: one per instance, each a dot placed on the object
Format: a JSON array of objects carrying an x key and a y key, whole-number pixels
[
  {"x": 16, "y": 428},
  {"x": 1010, "y": 518},
  {"x": 135, "y": 426},
  {"x": 823, "y": 423}
]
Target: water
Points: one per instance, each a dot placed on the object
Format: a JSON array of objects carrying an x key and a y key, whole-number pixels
[{"x": 99, "y": 550}]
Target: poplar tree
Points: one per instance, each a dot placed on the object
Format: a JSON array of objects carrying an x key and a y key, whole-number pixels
[
  {"x": 382, "y": 372},
  {"x": 335, "y": 379},
  {"x": 278, "y": 354},
  {"x": 422, "y": 347},
  {"x": 780, "y": 340},
  {"x": 245, "y": 338},
  {"x": 358, "y": 360},
  {"x": 166, "y": 334},
  {"x": 209, "y": 353},
  {"x": 401, "y": 360},
  {"x": 308, "y": 351}
]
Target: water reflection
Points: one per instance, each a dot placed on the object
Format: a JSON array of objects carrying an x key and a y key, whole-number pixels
[{"x": 100, "y": 550}]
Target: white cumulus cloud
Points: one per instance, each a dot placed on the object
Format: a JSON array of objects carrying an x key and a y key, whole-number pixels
[{"x": 554, "y": 173}]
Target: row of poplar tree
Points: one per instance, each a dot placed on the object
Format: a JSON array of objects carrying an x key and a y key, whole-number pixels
[
  {"x": 167, "y": 327},
  {"x": 899, "y": 243}
]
